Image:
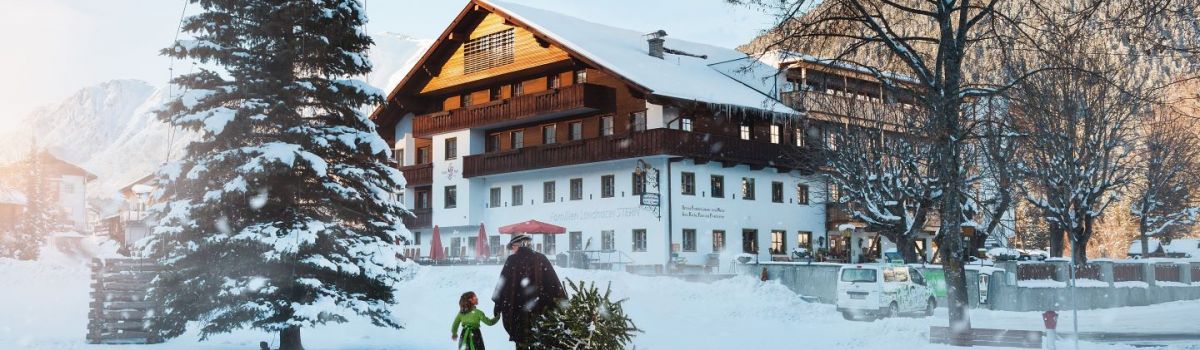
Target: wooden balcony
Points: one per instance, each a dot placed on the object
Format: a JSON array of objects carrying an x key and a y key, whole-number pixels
[
  {"x": 418, "y": 175},
  {"x": 862, "y": 111},
  {"x": 702, "y": 147},
  {"x": 547, "y": 104},
  {"x": 421, "y": 218}
]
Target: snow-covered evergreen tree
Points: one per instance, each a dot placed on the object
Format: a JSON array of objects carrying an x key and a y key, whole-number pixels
[
  {"x": 40, "y": 216},
  {"x": 281, "y": 215},
  {"x": 587, "y": 320}
]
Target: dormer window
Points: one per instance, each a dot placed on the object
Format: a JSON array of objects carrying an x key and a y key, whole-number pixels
[{"x": 488, "y": 51}]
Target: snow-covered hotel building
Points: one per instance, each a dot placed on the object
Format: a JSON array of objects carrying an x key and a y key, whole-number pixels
[{"x": 636, "y": 143}]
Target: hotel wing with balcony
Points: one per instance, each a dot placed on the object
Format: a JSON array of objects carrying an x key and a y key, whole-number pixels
[{"x": 659, "y": 152}]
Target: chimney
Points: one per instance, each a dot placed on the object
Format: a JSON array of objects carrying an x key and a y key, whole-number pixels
[{"x": 656, "y": 40}]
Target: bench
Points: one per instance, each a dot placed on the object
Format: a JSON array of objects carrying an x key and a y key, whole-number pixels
[{"x": 990, "y": 337}]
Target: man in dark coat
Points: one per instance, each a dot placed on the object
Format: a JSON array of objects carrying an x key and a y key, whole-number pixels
[{"x": 528, "y": 287}]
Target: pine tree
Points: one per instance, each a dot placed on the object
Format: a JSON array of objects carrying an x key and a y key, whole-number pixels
[
  {"x": 588, "y": 320},
  {"x": 38, "y": 219},
  {"x": 280, "y": 216}
]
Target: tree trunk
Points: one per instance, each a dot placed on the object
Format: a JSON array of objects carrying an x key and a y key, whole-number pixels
[
  {"x": 907, "y": 249},
  {"x": 1142, "y": 227},
  {"x": 1056, "y": 240},
  {"x": 289, "y": 339},
  {"x": 948, "y": 169}
]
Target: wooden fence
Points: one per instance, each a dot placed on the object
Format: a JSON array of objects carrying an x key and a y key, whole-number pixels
[
  {"x": 1088, "y": 271},
  {"x": 1163, "y": 272},
  {"x": 1027, "y": 272},
  {"x": 120, "y": 312},
  {"x": 1127, "y": 272}
]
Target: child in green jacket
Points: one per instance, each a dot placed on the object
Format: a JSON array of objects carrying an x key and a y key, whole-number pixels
[{"x": 470, "y": 317}]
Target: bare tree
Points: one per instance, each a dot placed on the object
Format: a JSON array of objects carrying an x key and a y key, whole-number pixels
[
  {"x": 1164, "y": 195},
  {"x": 883, "y": 179},
  {"x": 1081, "y": 128}
]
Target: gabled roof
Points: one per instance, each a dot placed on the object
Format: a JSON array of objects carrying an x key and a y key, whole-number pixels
[
  {"x": 12, "y": 196},
  {"x": 726, "y": 78}
]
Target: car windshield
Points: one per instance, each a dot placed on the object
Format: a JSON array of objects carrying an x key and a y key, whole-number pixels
[{"x": 858, "y": 275}]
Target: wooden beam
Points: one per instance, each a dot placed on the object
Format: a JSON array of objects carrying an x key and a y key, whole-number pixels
[
  {"x": 757, "y": 166},
  {"x": 700, "y": 161},
  {"x": 728, "y": 164}
]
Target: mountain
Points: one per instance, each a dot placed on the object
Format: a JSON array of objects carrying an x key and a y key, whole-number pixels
[{"x": 111, "y": 129}]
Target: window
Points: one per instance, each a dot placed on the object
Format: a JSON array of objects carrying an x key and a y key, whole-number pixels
[
  {"x": 456, "y": 246},
  {"x": 576, "y": 189},
  {"x": 575, "y": 240},
  {"x": 804, "y": 240},
  {"x": 776, "y": 192},
  {"x": 802, "y": 194},
  {"x": 518, "y": 89},
  {"x": 492, "y": 50},
  {"x": 552, "y": 82},
  {"x": 607, "y": 182},
  {"x": 518, "y": 194},
  {"x": 897, "y": 274},
  {"x": 494, "y": 94},
  {"x": 608, "y": 240},
  {"x": 639, "y": 240},
  {"x": 517, "y": 139},
  {"x": 422, "y": 155},
  {"x": 834, "y": 193},
  {"x": 548, "y": 192},
  {"x": 717, "y": 186},
  {"x": 580, "y": 76},
  {"x": 778, "y": 242},
  {"x": 750, "y": 241},
  {"x": 744, "y": 131},
  {"x": 494, "y": 197},
  {"x": 688, "y": 181},
  {"x": 637, "y": 121},
  {"x": 575, "y": 131},
  {"x": 799, "y": 137},
  {"x": 858, "y": 275},
  {"x": 493, "y": 142},
  {"x": 494, "y": 245},
  {"x": 548, "y": 132},
  {"x": 606, "y": 125},
  {"x": 748, "y": 188},
  {"x": 451, "y": 148},
  {"x": 398, "y": 154},
  {"x": 423, "y": 200},
  {"x": 464, "y": 100},
  {"x": 689, "y": 240},
  {"x": 685, "y": 124},
  {"x": 776, "y": 132},
  {"x": 450, "y": 196},
  {"x": 639, "y": 184},
  {"x": 416, "y": 238},
  {"x": 550, "y": 244},
  {"x": 718, "y": 240}
]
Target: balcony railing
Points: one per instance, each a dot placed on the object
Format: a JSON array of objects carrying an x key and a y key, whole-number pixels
[
  {"x": 863, "y": 110},
  {"x": 553, "y": 102},
  {"x": 418, "y": 175},
  {"x": 699, "y": 146},
  {"x": 421, "y": 218}
]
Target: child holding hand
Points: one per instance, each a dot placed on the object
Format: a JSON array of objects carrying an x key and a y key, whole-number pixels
[{"x": 470, "y": 317}]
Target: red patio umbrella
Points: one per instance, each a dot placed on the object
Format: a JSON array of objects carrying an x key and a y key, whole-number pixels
[
  {"x": 435, "y": 246},
  {"x": 532, "y": 227},
  {"x": 481, "y": 244}
]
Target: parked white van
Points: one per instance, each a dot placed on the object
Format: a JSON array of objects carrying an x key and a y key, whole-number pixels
[{"x": 872, "y": 291}]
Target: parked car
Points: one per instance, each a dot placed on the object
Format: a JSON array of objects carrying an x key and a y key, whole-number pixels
[{"x": 872, "y": 291}]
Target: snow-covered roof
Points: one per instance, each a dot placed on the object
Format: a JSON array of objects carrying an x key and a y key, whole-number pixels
[
  {"x": 727, "y": 77},
  {"x": 11, "y": 196},
  {"x": 1135, "y": 247},
  {"x": 1189, "y": 246}
]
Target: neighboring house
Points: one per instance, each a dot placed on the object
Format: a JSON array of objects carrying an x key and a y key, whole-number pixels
[
  {"x": 128, "y": 223},
  {"x": 67, "y": 185},
  {"x": 1177, "y": 248},
  {"x": 12, "y": 204}
]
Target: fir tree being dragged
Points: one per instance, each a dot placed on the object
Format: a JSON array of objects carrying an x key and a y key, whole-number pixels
[
  {"x": 587, "y": 320},
  {"x": 281, "y": 215}
]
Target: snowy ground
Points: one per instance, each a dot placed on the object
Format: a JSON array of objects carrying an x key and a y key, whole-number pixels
[{"x": 45, "y": 306}]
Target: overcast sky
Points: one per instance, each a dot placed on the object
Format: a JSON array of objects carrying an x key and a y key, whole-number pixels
[{"x": 51, "y": 48}]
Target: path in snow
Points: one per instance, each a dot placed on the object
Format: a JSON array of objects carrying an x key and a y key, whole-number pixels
[{"x": 45, "y": 307}]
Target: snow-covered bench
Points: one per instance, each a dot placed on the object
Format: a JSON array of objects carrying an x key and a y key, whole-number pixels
[{"x": 989, "y": 337}]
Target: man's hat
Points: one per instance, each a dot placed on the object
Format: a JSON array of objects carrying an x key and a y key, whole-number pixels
[{"x": 519, "y": 237}]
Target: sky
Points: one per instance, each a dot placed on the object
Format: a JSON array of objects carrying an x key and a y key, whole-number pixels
[{"x": 54, "y": 47}]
